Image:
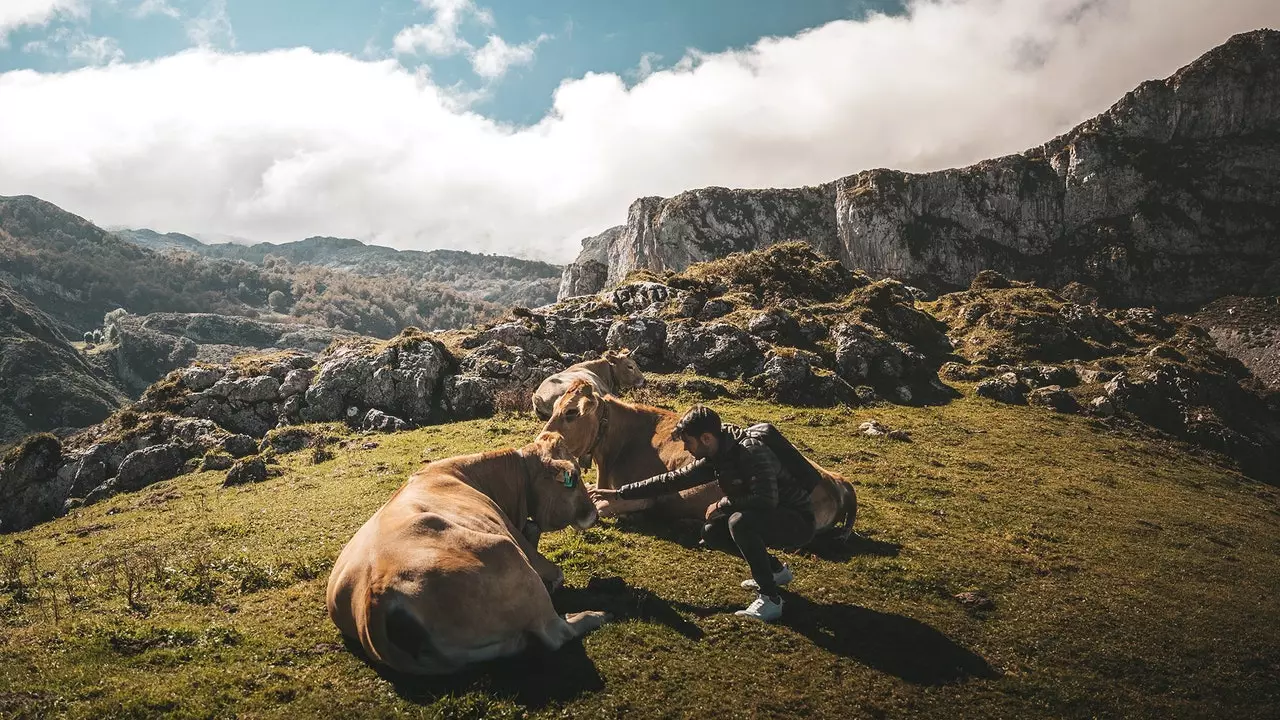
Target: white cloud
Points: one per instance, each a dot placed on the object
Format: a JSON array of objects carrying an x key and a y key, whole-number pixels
[
  {"x": 156, "y": 7},
  {"x": 440, "y": 37},
  {"x": 282, "y": 145},
  {"x": 212, "y": 27},
  {"x": 19, "y": 13},
  {"x": 646, "y": 66},
  {"x": 95, "y": 50},
  {"x": 78, "y": 46},
  {"x": 496, "y": 57}
]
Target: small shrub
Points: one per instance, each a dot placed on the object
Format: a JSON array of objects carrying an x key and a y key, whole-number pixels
[{"x": 513, "y": 401}]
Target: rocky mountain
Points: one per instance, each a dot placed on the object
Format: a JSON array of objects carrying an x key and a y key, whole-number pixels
[
  {"x": 77, "y": 272},
  {"x": 491, "y": 278},
  {"x": 1171, "y": 197},
  {"x": 46, "y": 384}
]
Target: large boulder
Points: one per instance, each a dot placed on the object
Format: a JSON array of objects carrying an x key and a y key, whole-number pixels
[
  {"x": 31, "y": 488},
  {"x": 645, "y": 337},
  {"x": 863, "y": 355},
  {"x": 1006, "y": 388},
  {"x": 469, "y": 396},
  {"x": 248, "y": 470},
  {"x": 1053, "y": 396},
  {"x": 151, "y": 465},
  {"x": 719, "y": 349},
  {"x": 576, "y": 334},
  {"x": 777, "y": 326},
  {"x": 797, "y": 378},
  {"x": 401, "y": 377},
  {"x": 514, "y": 334}
]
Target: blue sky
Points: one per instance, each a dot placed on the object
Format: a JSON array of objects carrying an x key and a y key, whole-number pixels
[
  {"x": 580, "y": 36},
  {"x": 490, "y": 126}
]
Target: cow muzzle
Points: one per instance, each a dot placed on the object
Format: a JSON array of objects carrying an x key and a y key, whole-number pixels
[{"x": 590, "y": 519}]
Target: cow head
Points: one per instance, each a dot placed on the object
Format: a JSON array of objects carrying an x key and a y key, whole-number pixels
[
  {"x": 625, "y": 370},
  {"x": 576, "y": 418},
  {"x": 557, "y": 497}
]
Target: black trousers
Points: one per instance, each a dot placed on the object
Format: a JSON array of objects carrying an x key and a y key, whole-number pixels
[{"x": 751, "y": 532}]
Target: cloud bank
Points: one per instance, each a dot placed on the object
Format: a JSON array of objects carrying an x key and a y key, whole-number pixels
[
  {"x": 19, "y": 13},
  {"x": 281, "y": 145}
]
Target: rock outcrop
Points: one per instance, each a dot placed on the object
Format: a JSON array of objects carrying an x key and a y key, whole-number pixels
[
  {"x": 589, "y": 273},
  {"x": 1170, "y": 197},
  {"x": 45, "y": 384}
]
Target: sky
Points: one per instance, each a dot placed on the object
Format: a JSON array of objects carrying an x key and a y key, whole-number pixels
[{"x": 520, "y": 128}]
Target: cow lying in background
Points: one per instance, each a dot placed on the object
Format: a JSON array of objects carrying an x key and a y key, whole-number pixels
[
  {"x": 631, "y": 442},
  {"x": 612, "y": 373},
  {"x": 444, "y": 574}
]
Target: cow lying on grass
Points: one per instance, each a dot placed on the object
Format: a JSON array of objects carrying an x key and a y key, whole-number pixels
[
  {"x": 614, "y": 372},
  {"x": 445, "y": 574},
  {"x": 632, "y": 442}
]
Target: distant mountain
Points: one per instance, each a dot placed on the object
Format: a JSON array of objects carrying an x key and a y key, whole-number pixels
[
  {"x": 493, "y": 278},
  {"x": 155, "y": 241},
  {"x": 76, "y": 272}
]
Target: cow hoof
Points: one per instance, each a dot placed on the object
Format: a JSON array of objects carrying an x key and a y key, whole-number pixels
[{"x": 588, "y": 620}]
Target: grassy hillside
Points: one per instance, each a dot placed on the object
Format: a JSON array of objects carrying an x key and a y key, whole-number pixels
[
  {"x": 1128, "y": 577},
  {"x": 77, "y": 272}
]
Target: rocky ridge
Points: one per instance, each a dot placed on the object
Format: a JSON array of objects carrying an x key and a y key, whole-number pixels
[{"x": 1171, "y": 197}]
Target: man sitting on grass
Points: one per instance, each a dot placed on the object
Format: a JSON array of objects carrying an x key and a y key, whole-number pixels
[{"x": 765, "y": 504}]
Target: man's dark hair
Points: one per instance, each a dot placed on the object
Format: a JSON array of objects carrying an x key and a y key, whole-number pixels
[{"x": 700, "y": 419}]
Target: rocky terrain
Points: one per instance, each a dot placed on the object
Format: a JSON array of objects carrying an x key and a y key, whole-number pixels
[
  {"x": 1247, "y": 328},
  {"x": 785, "y": 325},
  {"x": 45, "y": 384},
  {"x": 1169, "y": 198},
  {"x": 492, "y": 278}
]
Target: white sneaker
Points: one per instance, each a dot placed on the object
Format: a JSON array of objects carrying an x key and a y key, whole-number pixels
[
  {"x": 782, "y": 577},
  {"x": 762, "y": 608}
]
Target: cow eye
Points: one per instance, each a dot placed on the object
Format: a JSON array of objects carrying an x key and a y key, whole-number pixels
[{"x": 571, "y": 414}]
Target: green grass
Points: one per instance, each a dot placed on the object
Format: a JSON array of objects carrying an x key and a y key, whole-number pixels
[{"x": 1129, "y": 577}]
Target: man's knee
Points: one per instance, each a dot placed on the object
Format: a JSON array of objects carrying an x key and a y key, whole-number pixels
[
  {"x": 716, "y": 532},
  {"x": 743, "y": 522}
]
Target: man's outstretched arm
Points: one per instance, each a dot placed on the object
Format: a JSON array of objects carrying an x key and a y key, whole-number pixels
[{"x": 694, "y": 474}]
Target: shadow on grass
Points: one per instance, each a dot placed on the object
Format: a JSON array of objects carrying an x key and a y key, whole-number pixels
[
  {"x": 893, "y": 644},
  {"x": 835, "y": 550},
  {"x": 624, "y": 602},
  {"x": 535, "y": 678}
]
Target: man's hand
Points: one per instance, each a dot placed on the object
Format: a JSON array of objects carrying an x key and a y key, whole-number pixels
[
  {"x": 603, "y": 499},
  {"x": 598, "y": 494},
  {"x": 711, "y": 509}
]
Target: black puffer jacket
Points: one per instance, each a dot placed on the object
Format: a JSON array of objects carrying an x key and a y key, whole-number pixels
[{"x": 749, "y": 473}]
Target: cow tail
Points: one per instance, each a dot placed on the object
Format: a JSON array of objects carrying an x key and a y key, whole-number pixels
[{"x": 848, "y": 509}]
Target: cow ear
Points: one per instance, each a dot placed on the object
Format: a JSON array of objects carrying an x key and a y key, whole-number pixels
[{"x": 609, "y": 355}]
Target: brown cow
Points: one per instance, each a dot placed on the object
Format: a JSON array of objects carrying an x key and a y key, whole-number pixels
[
  {"x": 613, "y": 372},
  {"x": 631, "y": 442},
  {"x": 445, "y": 574}
]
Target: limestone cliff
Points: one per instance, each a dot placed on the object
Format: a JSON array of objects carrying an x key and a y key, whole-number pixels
[{"x": 1172, "y": 197}]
